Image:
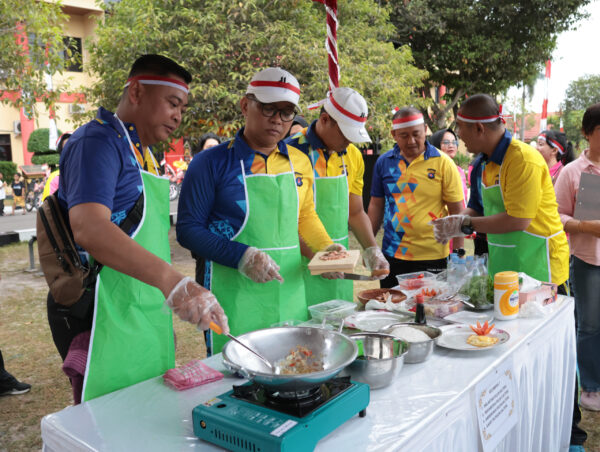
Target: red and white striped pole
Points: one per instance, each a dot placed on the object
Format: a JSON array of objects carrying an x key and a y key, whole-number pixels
[
  {"x": 544, "y": 119},
  {"x": 331, "y": 42}
]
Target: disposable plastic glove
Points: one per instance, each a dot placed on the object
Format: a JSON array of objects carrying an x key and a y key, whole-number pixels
[
  {"x": 374, "y": 259},
  {"x": 334, "y": 275},
  {"x": 193, "y": 303},
  {"x": 446, "y": 228},
  {"x": 259, "y": 266}
]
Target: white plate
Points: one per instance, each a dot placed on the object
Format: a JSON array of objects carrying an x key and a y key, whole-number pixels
[
  {"x": 373, "y": 321},
  {"x": 455, "y": 338}
]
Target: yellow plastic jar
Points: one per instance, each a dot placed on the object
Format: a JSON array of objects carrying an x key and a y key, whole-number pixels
[{"x": 506, "y": 295}]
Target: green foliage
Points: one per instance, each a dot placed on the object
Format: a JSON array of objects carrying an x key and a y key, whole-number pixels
[
  {"x": 572, "y": 125},
  {"x": 484, "y": 46},
  {"x": 8, "y": 169},
  {"x": 224, "y": 42},
  {"x": 39, "y": 141},
  {"x": 50, "y": 158},
  {"x": 582, "y": 93},
  {"x": 24, "y": 71},
  {"x": 463, "y": 160}
]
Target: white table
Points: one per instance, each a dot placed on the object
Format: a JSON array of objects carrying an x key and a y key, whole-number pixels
[{"x": 431, "y": 406}]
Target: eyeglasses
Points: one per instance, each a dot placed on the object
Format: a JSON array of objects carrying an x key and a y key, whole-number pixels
[
  {"x": 449, "y": 142},
  {"x": 270, "y": 110}
]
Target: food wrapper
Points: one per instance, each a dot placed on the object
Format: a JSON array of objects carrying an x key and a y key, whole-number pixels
[{"x": 190, "y": 375}]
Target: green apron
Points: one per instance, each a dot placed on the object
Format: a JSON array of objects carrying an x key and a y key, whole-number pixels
[
  {"x": 132, "y": 334},
  {"x": 518, "y": 251},
  {"x": 331, "y": 204},
  {"x": 271, "y": 225}
]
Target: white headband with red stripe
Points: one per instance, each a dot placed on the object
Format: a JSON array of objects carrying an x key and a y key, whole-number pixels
[
  {"x": 553, "y": 143},
  {"x": 482, "y": 119},
  {"x": 157, "y": 80},
  {"x": 407, "y": 121}
]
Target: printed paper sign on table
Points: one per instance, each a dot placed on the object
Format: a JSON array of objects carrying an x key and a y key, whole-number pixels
[{"x": 497, "y": 405}]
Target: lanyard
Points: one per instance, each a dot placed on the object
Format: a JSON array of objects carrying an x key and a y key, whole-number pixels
[{"x": 134, "y": 150}]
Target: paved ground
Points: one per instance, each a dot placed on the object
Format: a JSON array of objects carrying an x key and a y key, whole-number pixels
[{"x": 27, "y": 221}]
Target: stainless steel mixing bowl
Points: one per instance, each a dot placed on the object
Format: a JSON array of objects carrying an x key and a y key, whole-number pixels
[
  {"x": 335, "y": 350},
  {"x": 417, "y": 351},
  {"x": 379, "y": 361}
]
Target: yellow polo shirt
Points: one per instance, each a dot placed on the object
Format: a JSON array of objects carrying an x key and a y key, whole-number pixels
[
  {"x": 413, "y": 192},
  {"x": 528, "y": 192},
  {"x": 309, "y": 225},
  {"x": 331, "y": 164}
]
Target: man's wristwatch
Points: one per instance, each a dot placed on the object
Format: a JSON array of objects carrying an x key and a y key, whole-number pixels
[{"x": 466, "y": 227}]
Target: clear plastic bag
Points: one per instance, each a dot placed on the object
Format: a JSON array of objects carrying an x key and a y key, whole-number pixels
[{"x": 477, "y": 284}]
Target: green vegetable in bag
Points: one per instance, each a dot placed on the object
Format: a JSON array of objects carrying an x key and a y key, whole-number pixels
[{"x": 480, "y": 289}]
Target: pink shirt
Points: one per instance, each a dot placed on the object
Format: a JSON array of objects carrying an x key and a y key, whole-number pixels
[
  {"x": 555, "y": 171},
  {"x": 54, "y": 184},
  {"x": 585, "y": 246},
  {"x": 464, "y": 184}
]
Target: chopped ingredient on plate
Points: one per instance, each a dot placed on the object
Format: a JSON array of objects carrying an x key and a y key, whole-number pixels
[
  {"x": 481, "y": 341},
  {"x": 482, "y": 330}
]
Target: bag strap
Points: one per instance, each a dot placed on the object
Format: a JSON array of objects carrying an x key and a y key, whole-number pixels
[
  {"x": 133, "y": 218},
  {"x": 53, "y": 243},
  {"x": 59, "y": 220}
]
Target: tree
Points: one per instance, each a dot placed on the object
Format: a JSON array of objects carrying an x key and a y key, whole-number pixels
[
  {"x": 582, "y": 93},
  {"x": 224, "y": 42},
  {"x": 39, "y": 144},
  {"x": 23, "y": 73},
  {"x": 571, "y": 125},
  {"x": 484, "y": 46}
]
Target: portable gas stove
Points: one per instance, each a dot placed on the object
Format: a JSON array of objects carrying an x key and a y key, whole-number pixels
[{"x": 254, "y": 418}]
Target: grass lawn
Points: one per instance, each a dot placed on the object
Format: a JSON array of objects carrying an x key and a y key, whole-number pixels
[{"x": 30, "y": 355}]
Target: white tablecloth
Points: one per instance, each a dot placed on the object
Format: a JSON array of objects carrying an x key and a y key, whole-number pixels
[{"x": 431, "y": 406}]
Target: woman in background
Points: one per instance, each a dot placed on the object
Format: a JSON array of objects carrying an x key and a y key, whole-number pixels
[
  {"x": 447, "y": 141},
  {"x": 206, "y": 141},
  {"x": 556, "y": 150}
]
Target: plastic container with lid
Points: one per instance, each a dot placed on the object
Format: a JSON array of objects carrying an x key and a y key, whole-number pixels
[
  {"x": 332, "y": 310},
  {"x": 506, "y": 295},
  {"x": 416, "y": 280}
]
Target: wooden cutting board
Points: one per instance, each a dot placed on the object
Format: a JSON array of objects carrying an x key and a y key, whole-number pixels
[{"x": 347, "y": 264}]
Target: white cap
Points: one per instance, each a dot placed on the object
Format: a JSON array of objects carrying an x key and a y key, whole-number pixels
[
  {"x": 274, "y": 85},
  {"x": 350, "y": 111}
]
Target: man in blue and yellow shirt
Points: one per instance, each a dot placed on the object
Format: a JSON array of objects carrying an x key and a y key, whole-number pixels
[
  {"x": 118, "y": 211},
  {"x": 513, "y": 201},
  {"x": 512, "y": 198},
  {"x": 338, "y": 169},
  {"x": 413, "y": 183},
  {"x": 242, "y": 206}
]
